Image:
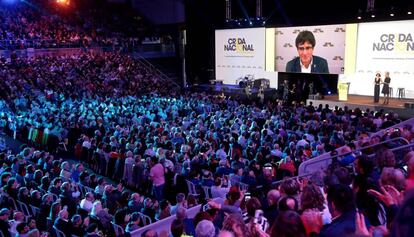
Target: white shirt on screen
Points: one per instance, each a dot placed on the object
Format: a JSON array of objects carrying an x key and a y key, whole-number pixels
[{"x": 304, "y": 69}]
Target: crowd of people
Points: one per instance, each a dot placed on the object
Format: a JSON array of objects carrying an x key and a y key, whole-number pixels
[
  {"x": 43, "y": 24},
  {"x": 124, "y": 123},
  {"x": 137, "y": 142}
]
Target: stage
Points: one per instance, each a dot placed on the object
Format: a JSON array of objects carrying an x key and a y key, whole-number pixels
[{"x": 404, "y": 107}]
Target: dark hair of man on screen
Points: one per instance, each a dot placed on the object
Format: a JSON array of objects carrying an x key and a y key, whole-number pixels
[{"x": 305, "y": 36}]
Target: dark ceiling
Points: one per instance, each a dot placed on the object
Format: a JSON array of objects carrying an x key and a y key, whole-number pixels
[{"x": 294, "y": 12}]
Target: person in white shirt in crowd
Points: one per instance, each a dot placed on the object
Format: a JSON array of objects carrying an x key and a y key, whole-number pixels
[
  {"x": 18, "y": 217},
  {"x": 65, "y": 172},
  {"x": 303, "y": 142},
  {"x": 276, "y": 151},
  {"x": 87, "y": 203},
  {"x": 86, "y": 143}
]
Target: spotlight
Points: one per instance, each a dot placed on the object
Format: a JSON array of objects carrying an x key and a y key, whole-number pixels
[
  {"x": 373, "y": 16},
  {"x": 251, "y": 23},
  {"x": 409, "y": 12},
  {"x": 63, "y": 2},
  {"x": 359, "y": 15},
  {"x": 392, "y": 11},
  {"x": 329, "y": 92}
]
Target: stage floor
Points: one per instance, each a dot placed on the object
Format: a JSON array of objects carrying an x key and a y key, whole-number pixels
[{"x": 367, "y": 102}]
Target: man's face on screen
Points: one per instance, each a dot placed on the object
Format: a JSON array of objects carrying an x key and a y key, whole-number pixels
[{"x": 305, "y": 51}]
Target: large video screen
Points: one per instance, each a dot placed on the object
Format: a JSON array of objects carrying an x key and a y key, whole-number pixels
[
  {"x": 310, "y": 49},
  {"x": 355, "y": 52},
  {"x": 384, "y": 47},
  {"x": 239, "y": 53}
]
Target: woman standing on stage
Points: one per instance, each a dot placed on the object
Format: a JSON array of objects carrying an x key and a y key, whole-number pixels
[
  {"x": 377, "y": 83},
  {"x": 386, "y": 88}
]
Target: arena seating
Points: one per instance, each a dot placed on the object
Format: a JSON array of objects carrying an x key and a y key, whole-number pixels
[{"x": 96, "y": 143}]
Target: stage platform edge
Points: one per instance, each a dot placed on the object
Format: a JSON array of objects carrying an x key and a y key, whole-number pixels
[{"x": 366, "y": 102}]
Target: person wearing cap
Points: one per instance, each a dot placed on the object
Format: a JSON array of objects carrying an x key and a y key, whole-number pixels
[{"x": 4, "y": 223}]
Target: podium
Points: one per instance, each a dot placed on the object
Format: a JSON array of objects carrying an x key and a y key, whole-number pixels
[{"x": 343, "y": 90}]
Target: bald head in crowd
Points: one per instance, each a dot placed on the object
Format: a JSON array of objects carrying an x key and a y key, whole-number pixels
[{"x": 273, "y": 196}]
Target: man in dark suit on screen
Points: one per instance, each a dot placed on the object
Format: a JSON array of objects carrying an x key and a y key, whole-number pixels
[{"x": 307, "y": 62}]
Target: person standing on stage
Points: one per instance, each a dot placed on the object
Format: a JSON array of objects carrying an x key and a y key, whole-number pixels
[
  {"x": 260, "y": 94},
  {"x": 377, "y": 83},
  {"x": 386, "y": 88},
  {"x": 285, "y": 95}
]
